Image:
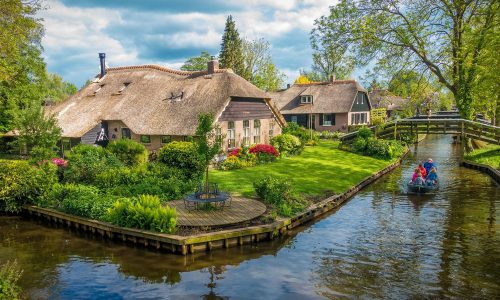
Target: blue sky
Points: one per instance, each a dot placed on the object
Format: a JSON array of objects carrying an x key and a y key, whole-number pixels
[{"x": 167, "y": 32}]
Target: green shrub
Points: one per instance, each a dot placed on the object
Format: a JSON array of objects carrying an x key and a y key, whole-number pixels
[
  {"x": 302, "y": 133},
  {"x": 232, "y": 163},
  {"x": 287, "y": 144},
  {"x": 331, "y": 135},
  {"x": 183, "y": 156},
  {"x": 279, "y": 194},
  {"x": 9, "y": 275},
  {"x": 129, "y": 152},
  {"x": 384, "y": 149},
  {"x": 38, "y": 154},
  {"x": 365, "y": 132},
  {"x": 143, "y": 212},
  {"x": 22, "y": 183},
  {"x": 359, "y": 145},
  {"x": 120, "y": 176},
  {"x": 85, "y": 162},
  {"x": 166, "y": 189}
]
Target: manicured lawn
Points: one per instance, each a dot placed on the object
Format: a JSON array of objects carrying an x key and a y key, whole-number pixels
[
  {"x": 488, "y": 155},
  {"x": 317, "y": 170}
]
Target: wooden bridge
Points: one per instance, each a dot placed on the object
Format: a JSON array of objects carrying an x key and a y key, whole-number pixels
[{"x": 414, "y": 126}]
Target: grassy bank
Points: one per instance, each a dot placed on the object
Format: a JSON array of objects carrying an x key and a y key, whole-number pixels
[
  {"x": 318, "y": 170},
  {"x": 488, "y": 155}
]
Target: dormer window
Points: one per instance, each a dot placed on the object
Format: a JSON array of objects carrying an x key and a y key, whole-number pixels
[
  {"x": 124, "y": 87},
  {"x": 175, "y": 96},
  {"x": 307, "y": 99},
  {"x": 98, "y": 89}
]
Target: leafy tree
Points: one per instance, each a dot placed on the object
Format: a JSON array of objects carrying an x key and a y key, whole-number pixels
[
  {"x": 35, "y": 130},
  {"x": 231, "y": 53},
  {"x": 197, "y": 63},
  {"x": 444, "y": 38},
  {"x": 259, "y": 68},
  {"x": 209, "y": 144},
  {"x": 330, "y": 60},
  {"x": 302, "y": 79},
  {"x": 58, "y": 89}
]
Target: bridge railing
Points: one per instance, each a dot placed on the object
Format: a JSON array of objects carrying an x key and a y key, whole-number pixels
[{"x": 466, "y": 128}]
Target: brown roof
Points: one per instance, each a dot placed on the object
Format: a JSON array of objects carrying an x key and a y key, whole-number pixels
[
  {"x": 157, "y": 100},
  {"x": 328, "y": 97},
  {"x": 381, "y": 98}
]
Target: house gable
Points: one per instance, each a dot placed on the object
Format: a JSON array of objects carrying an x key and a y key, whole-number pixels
[
  {"x": 360, "y": 103},
  {"x": 240, "y": 108}
]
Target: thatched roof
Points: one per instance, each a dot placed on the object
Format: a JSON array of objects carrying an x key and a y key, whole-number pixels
[
  {"x": 156, "y": 101},
  {"x": 381, "y": 98},
  {"x": 328, "y": 97}
]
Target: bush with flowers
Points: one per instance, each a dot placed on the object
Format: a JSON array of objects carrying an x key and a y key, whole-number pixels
[{"x": 265, "y": 153}]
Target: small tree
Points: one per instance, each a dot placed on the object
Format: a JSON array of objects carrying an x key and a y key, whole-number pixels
[
  {"x": 209, "y": 143},
  {"x": 36, "y": 130}
]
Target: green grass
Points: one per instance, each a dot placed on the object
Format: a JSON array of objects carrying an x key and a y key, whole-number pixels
[
  {"x": 488, "y": 155},
  {"x": 318, "y": 170}
]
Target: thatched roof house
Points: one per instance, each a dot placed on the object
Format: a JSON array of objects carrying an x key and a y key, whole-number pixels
[
  {"x": 330, "y": 105},
  {"x": 156, "y": 104}
]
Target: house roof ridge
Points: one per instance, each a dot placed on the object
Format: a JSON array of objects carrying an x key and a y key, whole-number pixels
[
  {"x": 166, "y": 69},
  {"x": 326, "y": 82}
]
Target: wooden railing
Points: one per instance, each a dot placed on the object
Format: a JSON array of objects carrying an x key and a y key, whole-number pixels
[{"x": 465, "y": 128}]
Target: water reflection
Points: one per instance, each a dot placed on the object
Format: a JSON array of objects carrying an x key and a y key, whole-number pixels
[{"x": 383, "y": 243}]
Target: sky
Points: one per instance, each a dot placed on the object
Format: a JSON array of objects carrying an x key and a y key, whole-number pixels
[{"x": 168, "y": 32}]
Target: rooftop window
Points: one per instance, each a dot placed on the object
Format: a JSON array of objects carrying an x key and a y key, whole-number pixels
[
  {"x": 124, "y": 87},
  {"x": 306, "y": 99}
]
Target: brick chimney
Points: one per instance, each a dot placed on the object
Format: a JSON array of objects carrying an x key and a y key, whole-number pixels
[
  {"x": 102, "y": 60},
  {"x": 213, "y": 65},
  {"x": 332, "y": 77}
]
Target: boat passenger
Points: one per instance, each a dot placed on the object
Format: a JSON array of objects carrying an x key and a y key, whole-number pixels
[
  {"x": 422, "y": 170},
  {"x": 417, "y": 178},
  {"x": 428, "y": 165},
  {"x": 432, "y": 178}
]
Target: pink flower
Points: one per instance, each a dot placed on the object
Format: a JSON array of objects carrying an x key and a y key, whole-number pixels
[{"x": 59, "y": 162}]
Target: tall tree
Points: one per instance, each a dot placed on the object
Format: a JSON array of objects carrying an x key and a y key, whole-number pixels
[
  {"x": 197, "y": 63},
  {"x": 209, "y": 143},
  {"x": 445, "y": 38},
  {"x": 22, "y": 70},
  {"x": 58, "y": 89},
  {"x": 329, "y": 60},
  {"x": 231, "y": 52},
  {"x": 258, "y": 67}
]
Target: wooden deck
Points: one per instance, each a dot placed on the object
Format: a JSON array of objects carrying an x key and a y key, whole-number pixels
[{"x": 241, "y": 210}]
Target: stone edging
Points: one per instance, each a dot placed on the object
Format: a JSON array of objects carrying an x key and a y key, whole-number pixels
[
  {"x": 495, "y": 174},
  {"x": 211, "y": 240}
]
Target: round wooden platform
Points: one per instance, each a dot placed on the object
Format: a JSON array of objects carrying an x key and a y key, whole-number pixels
[{"x": 241, "y": 210}]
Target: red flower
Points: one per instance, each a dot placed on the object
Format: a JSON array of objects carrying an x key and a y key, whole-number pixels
[
  {"x": 264, "y": 148},
  {"x": 234, "y": 152}
]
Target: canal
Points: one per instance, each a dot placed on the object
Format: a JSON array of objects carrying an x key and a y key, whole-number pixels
[{"x": 382, "y": 243}]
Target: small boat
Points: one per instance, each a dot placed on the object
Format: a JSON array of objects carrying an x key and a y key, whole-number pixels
[{"x": 422, "y": 189}]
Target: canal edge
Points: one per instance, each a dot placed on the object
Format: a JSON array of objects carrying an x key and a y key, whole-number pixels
[
  {"x": 205, "y": 242},
  {"x": 488, "y": 170}
]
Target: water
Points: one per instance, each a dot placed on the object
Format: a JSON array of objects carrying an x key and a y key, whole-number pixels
[{"x": 382, "y": 244}]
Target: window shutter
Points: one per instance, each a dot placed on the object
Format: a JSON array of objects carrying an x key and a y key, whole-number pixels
[
  {"x": 333, "y": 119},
  {"x": 320, "y": 119}
]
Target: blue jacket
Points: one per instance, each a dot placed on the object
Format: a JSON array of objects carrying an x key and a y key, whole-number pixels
[
  {"x": 428, "y": 166},
  {"x": 432, "y": 176}
]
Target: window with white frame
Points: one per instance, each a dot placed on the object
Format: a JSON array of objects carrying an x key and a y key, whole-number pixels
[
  {"x": 256, "y": 131},
  {"x": 328, "y": 119},
  {"x": 246, "y": 133},
  {"x": 294, "y": 119},
  {"x": 231, "y": 135},
  {"x": 271, "y": 129},
  {"x": 306, "y": 99},
  {"x": 359, "y": 118}
]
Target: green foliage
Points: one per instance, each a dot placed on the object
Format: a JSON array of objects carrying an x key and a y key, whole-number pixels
[
  {"x": 197, "y": 63},
  {"x": 143, "y": 212},
  {"x": 85, "y": 162},
  {"x": 259, "y": 68},
  {"x": 359, "y": 145},
  {"x": 41, "y": 154},
  {"x": 22, "y": 183},
  {"x": 36, "y": 130},
  {"x": 183, "y": 156},
  {"x": 232, "y": 163},
  {"x": 287, "y": 144},
  {"x": 166, "y": 189},
  {"x": 365, "y": 132},
  {"x": 331, "y": 135},
  {"x": 231, "y": 52},
  {"x": 58, "y": 89},
  {"x": 384, "y": 149},
  {"x": 9, "y": 276},
  {"x": 209, "y": 144},
  {"x": 129, "y": 152},
  {"x": 278, "y": 193},
  {"x": 302, "y": 133}
]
